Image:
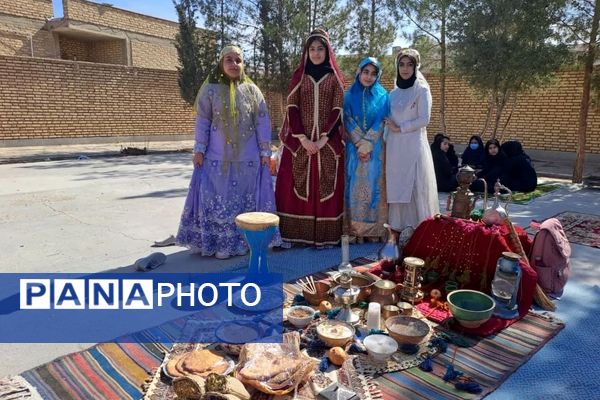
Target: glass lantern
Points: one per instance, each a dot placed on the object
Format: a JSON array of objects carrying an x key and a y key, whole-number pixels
[{"x": 505, "y": 286}]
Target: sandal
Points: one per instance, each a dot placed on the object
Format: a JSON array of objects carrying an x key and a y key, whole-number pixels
[{"x": 170, "y": 241}]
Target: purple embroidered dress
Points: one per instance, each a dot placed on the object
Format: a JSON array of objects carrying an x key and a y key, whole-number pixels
[{"x": 232, "y": 179}]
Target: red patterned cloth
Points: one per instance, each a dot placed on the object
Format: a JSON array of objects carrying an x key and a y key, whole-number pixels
[{"x": 466, "y": 252}]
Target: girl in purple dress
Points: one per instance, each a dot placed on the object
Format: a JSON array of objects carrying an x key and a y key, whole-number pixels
[{"x": 231, "y": 161}]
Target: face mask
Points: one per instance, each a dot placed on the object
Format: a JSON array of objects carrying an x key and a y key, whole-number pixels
[{"x": 474, "y": 146}]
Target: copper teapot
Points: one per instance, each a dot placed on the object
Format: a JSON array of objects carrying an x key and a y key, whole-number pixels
[{"x": 497, "y": 214}]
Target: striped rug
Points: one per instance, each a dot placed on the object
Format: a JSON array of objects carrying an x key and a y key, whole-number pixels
[{"x": 116, "y": 371}]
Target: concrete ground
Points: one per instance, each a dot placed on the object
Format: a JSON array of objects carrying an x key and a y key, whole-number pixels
[{"x": 103, "y": 213}]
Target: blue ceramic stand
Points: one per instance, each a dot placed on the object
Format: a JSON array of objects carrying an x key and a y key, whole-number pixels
[{"x": 259, "y": 248}]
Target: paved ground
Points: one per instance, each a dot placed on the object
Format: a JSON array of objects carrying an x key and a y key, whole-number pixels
[
  {"x": 103, "y": 213},
  {"x": 547, "y": 163}
]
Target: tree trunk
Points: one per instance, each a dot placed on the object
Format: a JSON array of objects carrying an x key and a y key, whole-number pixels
[
  {"x": 489, "y": 113},
  {"x": 443, "y": 72},
  {"x": 500, "y": 103},
  {"x": 512, "y": 110},
  {"x": 585, "y": 97},
  {"x": 372, "y": 27},
  {"x": 222, "y": 23}
]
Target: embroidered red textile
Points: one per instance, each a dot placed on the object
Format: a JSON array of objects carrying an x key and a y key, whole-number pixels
[{"x": 466, "y": 252}]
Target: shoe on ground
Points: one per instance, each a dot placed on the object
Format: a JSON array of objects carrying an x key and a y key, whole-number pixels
[
  {"x": 150, "y": 262},
  {"x": 221, "y": 255},
  {"x": 170, "y": 241}
]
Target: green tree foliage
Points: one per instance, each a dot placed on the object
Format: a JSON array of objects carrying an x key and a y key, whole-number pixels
[
  {"x": 225, "y": 17},
  {"x": 504, "y": 47},
  {"x": 192, "y": 50},
  {"x": 373, "y": 28}
]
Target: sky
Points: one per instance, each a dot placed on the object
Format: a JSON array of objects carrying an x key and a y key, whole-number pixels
[{"x": 156, "y": 8}]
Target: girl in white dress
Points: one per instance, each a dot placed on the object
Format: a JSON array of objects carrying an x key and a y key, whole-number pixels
[{"x": 410, "y": 186}]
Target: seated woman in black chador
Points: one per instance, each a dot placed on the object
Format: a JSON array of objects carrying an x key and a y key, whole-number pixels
[
  {"x": 444, "y": 164},
  {"x": 493, "y": 166},
  {"x": 518, "y": 174},
  {"x": 474, "y": 153}
]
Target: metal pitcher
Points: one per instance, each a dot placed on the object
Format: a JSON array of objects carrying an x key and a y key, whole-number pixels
[{"x": 497, "y": 214}]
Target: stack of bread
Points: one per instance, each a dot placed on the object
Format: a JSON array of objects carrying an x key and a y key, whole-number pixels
[
  {"x": 275, "y": 368},
  {"x": 198, "y": 362}
]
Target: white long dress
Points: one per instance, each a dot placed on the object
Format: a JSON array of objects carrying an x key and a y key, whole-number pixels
[{"x": 410, "y": 185}]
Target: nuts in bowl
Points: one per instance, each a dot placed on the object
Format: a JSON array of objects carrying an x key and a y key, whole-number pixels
[{"x": 300, "y": 316}]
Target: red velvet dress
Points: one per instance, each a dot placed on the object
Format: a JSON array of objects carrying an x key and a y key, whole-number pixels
[{"x": 310, "y": 189}]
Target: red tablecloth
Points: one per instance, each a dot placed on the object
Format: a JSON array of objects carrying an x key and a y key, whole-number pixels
[{"x": 466, "y": 252}]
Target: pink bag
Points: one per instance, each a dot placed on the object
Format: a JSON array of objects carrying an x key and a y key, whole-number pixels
[{"x": 550, "y": 257}]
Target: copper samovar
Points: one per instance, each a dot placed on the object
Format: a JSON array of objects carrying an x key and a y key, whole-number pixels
[{"x": 462, "y": 201}]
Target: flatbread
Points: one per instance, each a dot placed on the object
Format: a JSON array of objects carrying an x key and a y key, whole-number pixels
[
  {"x": 171, "y": 368},
  {"x": 204, "y": 361}
]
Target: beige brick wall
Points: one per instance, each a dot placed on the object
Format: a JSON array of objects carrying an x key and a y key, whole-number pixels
[
  {"x": 73, "y": 49},
  {"x": 81, "y": 10},
  {"x": 42, "y": 98},
  {"x": 543, "y": 119},
  {"x": 109, "y": 51},
  {"x": 17, "y": 34},
  {"x": 38, "y": 9},
  {"x": 148, "y": 54}
]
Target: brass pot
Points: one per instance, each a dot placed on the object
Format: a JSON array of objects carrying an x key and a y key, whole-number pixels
[
  {"x": 363, "y": 282},
  {"x": 384, "y": 292}
]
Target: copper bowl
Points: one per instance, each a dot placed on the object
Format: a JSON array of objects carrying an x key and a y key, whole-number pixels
[
  {"x": 314, "y": 299},
  {"x": 407, "y": 330},
  {"x": 363, "y": 282}
]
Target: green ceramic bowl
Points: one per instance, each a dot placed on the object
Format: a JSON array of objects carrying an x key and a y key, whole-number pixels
[{"x": 470, "y": 307}]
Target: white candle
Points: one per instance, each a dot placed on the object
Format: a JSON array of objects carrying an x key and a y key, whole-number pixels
[{"x": 374, "y": 316}]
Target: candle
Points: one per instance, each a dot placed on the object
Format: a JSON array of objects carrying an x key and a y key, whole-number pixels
[{"x": 374, "y": 316}]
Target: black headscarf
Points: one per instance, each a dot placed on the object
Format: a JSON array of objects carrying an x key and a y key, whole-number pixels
[
  {"x": 317, "y": 71},
  {"x": 406, "y": 83}
]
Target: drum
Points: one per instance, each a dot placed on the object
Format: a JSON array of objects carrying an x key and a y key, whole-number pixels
[{"x": 258, "y": 229}]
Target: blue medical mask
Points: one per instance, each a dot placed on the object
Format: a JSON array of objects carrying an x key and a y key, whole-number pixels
[{"x": 474, "y": 146}]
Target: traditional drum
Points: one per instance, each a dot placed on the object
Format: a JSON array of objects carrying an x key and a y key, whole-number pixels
[{"x": 258, "y": 229}]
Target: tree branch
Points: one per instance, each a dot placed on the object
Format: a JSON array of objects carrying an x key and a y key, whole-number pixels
[
  {"x": 407, "y": 13},
  {"x": 575, "y": 33}
]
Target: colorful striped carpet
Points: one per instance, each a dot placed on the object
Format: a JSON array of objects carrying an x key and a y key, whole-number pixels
[{"x": 119, "y": 371}]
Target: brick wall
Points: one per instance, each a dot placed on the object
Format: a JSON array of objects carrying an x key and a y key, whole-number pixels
[
  {"x": 73, "y": 49},
  {"x": 543, "y": 119},
  {"x": 109, "y": 51},
  {"x": 37, "y": 9},
  {"x": 81, "y": 10},
  {"x": 41, "y": 98},
  {"x": 18, "y": 33},
  {"x": 147, "y": 54}
]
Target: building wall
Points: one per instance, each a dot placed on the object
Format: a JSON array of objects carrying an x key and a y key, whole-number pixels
[
  {"x": 98, "y": 14},
  {"x": 109, "y": 51},
  {"x": 73, "y": 49},
  {"x": 36, "y": 9},
  {"x": 148, "y": 54},
  {"x": 48, "y": 99},
  {"x": 22, "y": 28},
  {"x": 543, "y": 119},
  {"x": 44, "y": 98}
]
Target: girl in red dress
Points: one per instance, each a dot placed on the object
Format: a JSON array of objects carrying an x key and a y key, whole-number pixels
[{"x": 310, "y": 182}]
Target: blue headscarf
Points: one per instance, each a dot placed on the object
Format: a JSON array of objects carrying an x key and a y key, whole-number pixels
[{"x": 366, "y": 108}]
